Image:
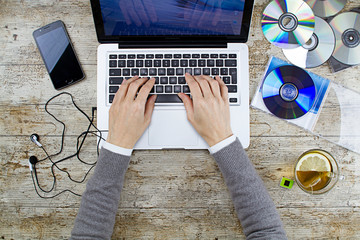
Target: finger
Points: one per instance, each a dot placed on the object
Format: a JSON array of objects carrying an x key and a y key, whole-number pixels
[
  {"x": 120, "y": 92},
  {"x": 193, "y": 85},
  {"x": 204, "y": 85},
  {"x": 149, "y": 6},
  {"x": 188, "y": 104},
  {"x": 149, "y": 107},
  {"x": 141, "y": 12},
  {"x": 145, "y": 90},
  {"x": 125, "y": 86},
  {"x": 214, "y": 85},
  {"x": 223, "y": 89},
  {"x": 134, "y": 88}
]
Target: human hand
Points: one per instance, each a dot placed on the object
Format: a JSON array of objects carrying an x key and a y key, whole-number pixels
[
  {"x": 130, "y": 115},
  {"x": 209, "y": 111},
  {"x": 138, "y": 11}
]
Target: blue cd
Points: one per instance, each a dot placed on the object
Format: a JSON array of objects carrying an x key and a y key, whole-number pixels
[{"x": 288, "y": 92}]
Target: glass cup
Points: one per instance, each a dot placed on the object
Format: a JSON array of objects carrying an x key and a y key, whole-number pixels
[{"x": 316, "y": 171}]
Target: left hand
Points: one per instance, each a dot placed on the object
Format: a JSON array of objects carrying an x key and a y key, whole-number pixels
[{"x": 130, "y": 115}]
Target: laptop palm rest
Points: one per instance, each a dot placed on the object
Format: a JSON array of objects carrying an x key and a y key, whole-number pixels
[{"x": 170, "y": 128}]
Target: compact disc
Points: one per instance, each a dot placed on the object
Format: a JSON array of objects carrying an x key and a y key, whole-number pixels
[
  {"x": 326, "y": 8},
  {"x": 288, "y": 92},
  {"x": 346, "y": 28},
  {"x": 288, "y": 23},
  {"x": 317, "y": 50}
]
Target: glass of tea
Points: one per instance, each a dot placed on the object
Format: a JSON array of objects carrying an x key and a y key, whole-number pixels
[{"x": 316, "y": 171}]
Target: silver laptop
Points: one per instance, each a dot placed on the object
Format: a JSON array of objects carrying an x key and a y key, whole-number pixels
[{"x": 165, "y": 39}]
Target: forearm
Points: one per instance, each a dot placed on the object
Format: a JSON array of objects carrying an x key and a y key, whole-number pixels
[
  {"x": 254, "y": 207},
  {"x": 99, "y": 203}
]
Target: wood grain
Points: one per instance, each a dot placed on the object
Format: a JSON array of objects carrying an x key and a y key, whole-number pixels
[{"x": 169, "y": 194}]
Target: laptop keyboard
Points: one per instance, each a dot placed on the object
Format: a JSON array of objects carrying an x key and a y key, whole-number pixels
[{"x": 169, "y": 72}]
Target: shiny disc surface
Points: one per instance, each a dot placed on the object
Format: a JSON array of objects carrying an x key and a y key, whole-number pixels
[
  {"x": 346, "y": 27},
  {"x": 317, "y": 50},
  {"x": 288, "y": 23},
  {"x": 326, "y": 8},
  {"x": 288, "y": 92}
]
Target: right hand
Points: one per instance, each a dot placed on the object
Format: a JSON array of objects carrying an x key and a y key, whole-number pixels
[
  {"x": 138, "y": 12},
  {"x": 209, "y": 111}
]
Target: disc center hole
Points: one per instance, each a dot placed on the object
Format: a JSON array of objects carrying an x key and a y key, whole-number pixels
[
  {"x": 288, "y": 22},
  {"x": 351, "y": 38},
  {"x": 312, "y": 43}
]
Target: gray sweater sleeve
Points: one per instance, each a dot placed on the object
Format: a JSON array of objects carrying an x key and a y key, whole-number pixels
[
  {"x": 254, "y": 207},
  {"x": 100, "y": 201}
]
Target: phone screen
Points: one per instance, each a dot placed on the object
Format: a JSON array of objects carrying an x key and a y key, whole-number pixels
[{"x": 58, "y": 55}]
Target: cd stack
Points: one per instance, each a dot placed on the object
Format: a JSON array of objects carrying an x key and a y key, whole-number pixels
[{"x": 310, "y": 35}]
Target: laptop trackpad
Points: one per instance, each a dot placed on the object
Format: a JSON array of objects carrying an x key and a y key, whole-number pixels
[{"x": 170, "y": 128}]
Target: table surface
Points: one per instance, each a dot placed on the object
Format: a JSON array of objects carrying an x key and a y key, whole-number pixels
[{"x": 167, "y": 193}]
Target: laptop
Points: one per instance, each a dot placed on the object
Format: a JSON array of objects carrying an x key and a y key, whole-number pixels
[{"x": 165, "y": 39}]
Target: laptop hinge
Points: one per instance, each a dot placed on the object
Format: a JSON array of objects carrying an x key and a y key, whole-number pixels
[{"x": 173, "y": 45}]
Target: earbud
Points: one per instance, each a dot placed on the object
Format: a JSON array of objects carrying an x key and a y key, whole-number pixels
[
  {"x": 32, "y": 161},
  {"x": 35, "y": 139}
]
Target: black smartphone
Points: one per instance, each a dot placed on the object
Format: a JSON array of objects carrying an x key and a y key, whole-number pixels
[{"x": 58, "y": 54}]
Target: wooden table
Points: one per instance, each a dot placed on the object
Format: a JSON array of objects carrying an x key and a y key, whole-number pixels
[{"x": 167, "y": 194}]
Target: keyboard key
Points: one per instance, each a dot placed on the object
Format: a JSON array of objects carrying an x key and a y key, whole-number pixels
[
  {"x": 115, "y": 72},
  {"x": 152, "y": 71},
  {"x": 113, "y": 57},
  {"x": 126, "y": 72},
  {"x": 168, "y": 55},
  {"x": 140, "y": 56},
  {"x": 230, "y": 63},
  {"x": 195, "y": 55},
  {"x": 130, "y": 63},
  {"x": 122, "y": 56},
  {"x": 177, "y": 88},
  {"x": 223, "y": 55},
  {"x": 159, "y": 56},
  {"x": 204, "y": 55},
  {"x": 181, "y": 80},
  {"x": 232, "y": 88},
  {"x": 139, "y": 63},
  {"x": 166, "y": 63},
  {"x": 226, "y": 80},
  {"x": 121, "y": 63},
  {"x": 232, "y": 56},
  {"x": 197, "y": 71},
  {"x": 131, "y": 56},
  {"x": 201, "y": 63},
  {"x": 175, "y": 63},
  {"x": 215, "y": 71},
  {"x": 170, "y": 71},
  {"x": 111, "y": 98},
  {"x": 135, "y": 72},
  {"x": 113, "y": 63},
  {"x": 161, "y": 72},
  {"x": 186, "y": 89},
  {"x": 177, "y": 55},
  {"x": 183, "y": 63},
  {"x": 164, "y": 80},
  {"x": 219, "y": 63},
  {"x": 113, "y": 89},
  {"x": 224, "y": 71},
  {"x": 188, "y": 70},
  {"x": 148, "y": 63},
  {"x": 210, "y": 63},
  {"x": 168, "y": 98},
  {"x": 168, "y": 89},
  {"x": 152, "y": 90},
  {"x": 144, "y": 72},
  {"x": 233, "y": 100},
  {"x": 159, "y": 89},
  {"x": 156, "y": 80},
  {"x": 214, "y": 55},
  {"x": 179, "y": 71},
  {"x": 234, "y": 79},
  {"x": 157, "y": 63},
  {"x": 116, "y": 80},
  {"x": 173, "y": 80},
  {"x": 186, "y": 55},
  {"x": 206, "y": 71},
  {"x": 192, "y": 63},
  {"x": 151, "y": 56}
]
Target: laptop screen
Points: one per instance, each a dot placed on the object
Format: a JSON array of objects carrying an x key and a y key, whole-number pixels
[
  {"x": 126, "y": 19},
  {"x": 172, "y": 17}
]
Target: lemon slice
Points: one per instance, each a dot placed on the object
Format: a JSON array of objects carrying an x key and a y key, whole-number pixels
[{"x": 314, "y": 162}]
